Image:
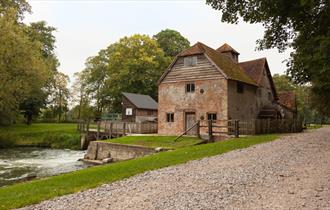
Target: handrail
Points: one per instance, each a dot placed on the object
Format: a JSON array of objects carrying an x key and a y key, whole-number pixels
[{"x": 187, "y": 131}]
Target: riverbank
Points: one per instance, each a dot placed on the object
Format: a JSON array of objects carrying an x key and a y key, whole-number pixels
[
  {"x": 52, "y": 135},
  {"x": 28, "y": 193}
]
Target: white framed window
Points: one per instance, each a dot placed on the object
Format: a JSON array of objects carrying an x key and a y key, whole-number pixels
[
  {"x": 190, "y": 61},
  {"x": 129, "y": 111}
]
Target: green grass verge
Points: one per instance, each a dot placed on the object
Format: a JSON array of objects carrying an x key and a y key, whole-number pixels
[
  {"x": 314, "y": 126},
  {"x": 54, "y": 135},
  {"x": 157, "y": 141},
  {"x": 27, "y": 193}
]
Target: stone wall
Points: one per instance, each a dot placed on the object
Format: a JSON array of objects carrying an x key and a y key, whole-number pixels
[
  {"x": 209, "y": 96},
  {"x": 103, "y": 150}
]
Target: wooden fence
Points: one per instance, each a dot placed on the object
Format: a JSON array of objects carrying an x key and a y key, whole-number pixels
[
  {"x": 118, "y": 127},
  {"x": 264, "y": 126},
  {"x": 216, "y": 129}
]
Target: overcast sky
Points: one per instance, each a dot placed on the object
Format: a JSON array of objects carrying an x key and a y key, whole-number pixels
[{"x": 84, "y": 27}]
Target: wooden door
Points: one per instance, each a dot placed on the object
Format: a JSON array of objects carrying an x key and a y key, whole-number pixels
[{"x": 190, "y": 121}]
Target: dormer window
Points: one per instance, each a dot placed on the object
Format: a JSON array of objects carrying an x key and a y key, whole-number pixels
[{"x": 190, "y": 61}]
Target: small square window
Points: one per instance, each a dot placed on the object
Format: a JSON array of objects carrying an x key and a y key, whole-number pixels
[
  {"x": 240, "y": 87},
  {"x": 170, "y": 117},
  {"x": 211, "y": 116},
  {"x": 129, "y": 111},
  {"x": 190, "y": 61},
  {"x": 190, "y": 87}
]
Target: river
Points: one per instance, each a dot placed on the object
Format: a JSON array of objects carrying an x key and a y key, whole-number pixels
[{"x": 18, "y": 164}]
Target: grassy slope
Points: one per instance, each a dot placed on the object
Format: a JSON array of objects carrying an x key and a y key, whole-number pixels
[
  {"x": 23, "y": 194},
  {"x": 55, "y": 135},
  {"x": 157, "y": 141}
]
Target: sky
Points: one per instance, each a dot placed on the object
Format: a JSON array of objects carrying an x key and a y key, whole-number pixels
[{"x": 84, "y": 27}]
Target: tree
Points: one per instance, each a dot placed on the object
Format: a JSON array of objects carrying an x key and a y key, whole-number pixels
[
  {"x": 14, "y": 7},
  {"x": 302, "y": 25},
  {"x": 40, "y": 33},
  {"x": 135, "y": 65},
  {"x": 23, "y": 70},
  {"x": 172, "y": 42},
  {"x": 60, "y": 95}
]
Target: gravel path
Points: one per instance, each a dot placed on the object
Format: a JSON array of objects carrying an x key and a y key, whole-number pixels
[{"x": 290, "y": 173}]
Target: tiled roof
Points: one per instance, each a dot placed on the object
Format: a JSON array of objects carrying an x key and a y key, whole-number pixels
[
  {"x": 231, "y": 69},
  {"x": 287, "y": 99},
  {"x": 141, "y": 101},
  {"x": 227, "y": 48},
  {"x": 254, "y": 68}
]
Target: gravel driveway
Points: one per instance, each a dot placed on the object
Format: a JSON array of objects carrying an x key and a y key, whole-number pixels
[{"x": 290, "y": 173}]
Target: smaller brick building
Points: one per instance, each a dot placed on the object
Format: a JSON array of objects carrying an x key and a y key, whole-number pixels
[{"x": 138, "y": 108}]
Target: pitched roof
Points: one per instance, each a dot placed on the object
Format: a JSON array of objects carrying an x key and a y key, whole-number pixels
[
  {"x": 141, "y": 101},
  {"x": 254, "y": 68},
  {"x": 231, "y": 69},
  {"x": 227, "y": 48},
  {"x": 287, "y": 99}
]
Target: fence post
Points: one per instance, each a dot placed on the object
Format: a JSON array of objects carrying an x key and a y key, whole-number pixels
[
  {"x": 110, "y": 130},
  {"x": 198, "y": 131},
  {"x": 210, "y": 130},
  {"x": 236, "y": 129},
  {"x": 98, "y": 130},
  {"x": 124, "y": 129}
]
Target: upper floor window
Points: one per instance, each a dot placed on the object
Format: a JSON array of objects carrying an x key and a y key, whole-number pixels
[
  {"x": 170, "y": 117},
  {"x": 211, "y": 116},
  {"x": 129, "y": 111},
  {"x": 190, "y": 87},
  {"x": 190, "y": 61},
  {"x": 240, "y": 87}
]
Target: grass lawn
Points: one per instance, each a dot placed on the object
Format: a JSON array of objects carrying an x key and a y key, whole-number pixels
[
  {"x": 157, "y": 141},
  {"x": 27, "y": 193},
  {"x": 63, "y": 135},
  {"x": 314, "y": 126}
]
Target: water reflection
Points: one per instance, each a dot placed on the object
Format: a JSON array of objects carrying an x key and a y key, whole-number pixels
[{"x": 24, "y": 163}]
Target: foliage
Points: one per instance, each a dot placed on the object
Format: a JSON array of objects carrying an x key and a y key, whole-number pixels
[
  {"x": 51, "y": 135},
  {"x": 133, "y": 64},
  {"x": 19, "y": 195},
  {"x": 301, "y": 25},
  {"x": 27, "y": 62},
  {"x": 19, "y": 7},
  {"x": 58, "y": 100},
  {"x": 157, "y": 141},
  {"x": 172, "y": 42},
  {"x": 22, "y": 67},
  {"x": 306, "y": 103}
]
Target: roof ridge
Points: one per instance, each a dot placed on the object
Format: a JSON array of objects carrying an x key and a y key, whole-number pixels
[{"x": 262, "y": 58}]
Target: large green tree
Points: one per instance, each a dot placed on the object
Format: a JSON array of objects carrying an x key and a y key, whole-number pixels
[
  {"x": 172, "y": 42},
  {"x": 135, "y": 65},
  {"x": 41, "y": 33},
  {"x": 302, "y": 25},
  {"x": 23, "y": 70}
]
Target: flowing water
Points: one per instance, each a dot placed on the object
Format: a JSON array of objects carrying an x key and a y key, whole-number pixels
[{"x": 19, "y": 164}]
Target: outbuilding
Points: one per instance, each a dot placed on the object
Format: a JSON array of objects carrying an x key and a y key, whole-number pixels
[{"x": 138, "y": 108}]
